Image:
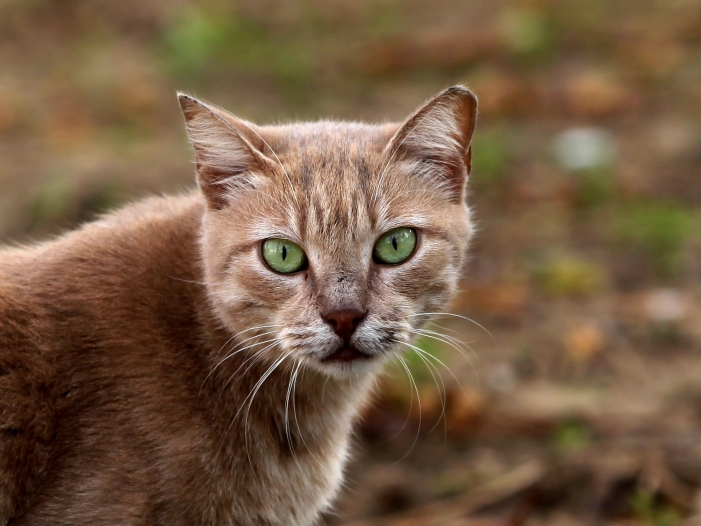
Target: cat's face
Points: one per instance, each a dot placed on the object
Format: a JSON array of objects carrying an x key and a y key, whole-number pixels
[{"x": 330, "y": 243}]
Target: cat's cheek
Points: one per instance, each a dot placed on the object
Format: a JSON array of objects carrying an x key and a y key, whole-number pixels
[
  {"x": 402, "y": 293},
  {"x": 252, "y": 276},
  {"x": 412, "y": 280},
  {"x": 247, "y": 294}
]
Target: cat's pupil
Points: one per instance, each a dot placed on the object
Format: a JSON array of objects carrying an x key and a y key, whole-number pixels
[
  {"x": 284, "y": 252},
  {"x": 394, "y": 242}
]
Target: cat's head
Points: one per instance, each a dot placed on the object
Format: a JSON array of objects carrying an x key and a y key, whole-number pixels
[{"x": 330, "y": 243}]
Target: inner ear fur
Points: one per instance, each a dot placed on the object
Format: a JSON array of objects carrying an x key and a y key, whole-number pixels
[
  {"x": 228, "y": 150},
  {"x": 436, "y": 139}
]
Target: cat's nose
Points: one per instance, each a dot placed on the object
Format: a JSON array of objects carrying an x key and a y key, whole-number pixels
[{"x": 344, "y": 321}]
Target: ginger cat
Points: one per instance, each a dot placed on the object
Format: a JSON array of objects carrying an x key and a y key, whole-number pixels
[{"x": 200, "y": 359}]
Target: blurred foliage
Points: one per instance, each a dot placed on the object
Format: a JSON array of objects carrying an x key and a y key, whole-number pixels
[
  {"x": 384, "y": 19},
  {"x": 596, "y": 187},
  {"x": 529, "y": 33},
  {"x": 205, "y": 43},
  {"x": 491, "y": 153},
  {"x": 652, "y": 512},
  {"x": 60, "y": 201},
  {"x": 53, "y": 201},
  {"x": 571, "y": 436},
  {"x": 569, "y": 276},
  {"x": 658, "y": 230}
]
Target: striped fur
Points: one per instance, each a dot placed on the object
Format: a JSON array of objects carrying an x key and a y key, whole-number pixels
[{"x": 153, "y": 370}]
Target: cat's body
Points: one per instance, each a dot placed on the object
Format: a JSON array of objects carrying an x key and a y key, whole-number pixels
[
  {"x": 153, "y": 370},
  {"x": 104, "y": 421}
]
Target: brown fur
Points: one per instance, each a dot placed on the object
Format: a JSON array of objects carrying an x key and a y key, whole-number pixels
[{"x": 130, "y": 348}]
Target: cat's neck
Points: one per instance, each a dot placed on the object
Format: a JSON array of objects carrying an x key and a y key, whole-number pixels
[
  {"x": 279, "y": 424},
  {"x": 278, "y": 403}
]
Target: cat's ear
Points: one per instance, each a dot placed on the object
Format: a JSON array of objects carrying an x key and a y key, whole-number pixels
[
  {"x": 436, "y": 140},
  {"x": 228, "y": 150}
]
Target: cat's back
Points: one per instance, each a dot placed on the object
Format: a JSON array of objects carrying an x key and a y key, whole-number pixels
[
  {"x": 27, "y": 408},
  {"x": 117, "y": 266},
  {"x": 60, "y": 306},
  {"x": 94, "y": 265}
]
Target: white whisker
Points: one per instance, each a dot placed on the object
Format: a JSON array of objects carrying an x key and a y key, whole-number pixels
[
  {"x": 418, "y": 401},
  {"x": 431, "y": 368},
  {"x": 230, "y": 354},
  {"x": 456, "y": 316},
  {"x": 253, "y": 394},
  {"x": 293, "y": 379},
  {"x": 454, "y": 344},
  {"x": 254, "y": 358},
  {"x": 299, "y": 429}
]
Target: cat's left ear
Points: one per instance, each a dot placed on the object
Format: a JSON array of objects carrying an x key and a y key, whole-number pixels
[
  {"x": 228, "y": 151},
  {"x": 436, "y": 140}
]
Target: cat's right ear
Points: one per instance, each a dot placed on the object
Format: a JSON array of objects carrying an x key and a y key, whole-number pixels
[
  {"x": 436, "y": 141},
  {"x": 228, "y": 150}
]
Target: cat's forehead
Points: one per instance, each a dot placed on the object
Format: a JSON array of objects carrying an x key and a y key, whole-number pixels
[
  {"x": 310, "y": 148},
  {"x": 333, "y": 168}
]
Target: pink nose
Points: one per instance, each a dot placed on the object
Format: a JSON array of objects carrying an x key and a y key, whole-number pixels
[{"x": 344, "y": 321}]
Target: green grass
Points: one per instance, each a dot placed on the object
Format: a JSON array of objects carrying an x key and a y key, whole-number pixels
[
  {"x": 53, "y": 201},
  {"x": 207, "y": 43},
  {"x": 570, "y": 276},
  {"x": 571, "y": 436},
  {"x": 658, "y": 230},
  {"x": 596, "y": 187},
  {"x": 652, "y": 513},
  {"x": 60, "y": 202},
  {"x": 491, "y": 154},
  {"x": 384, "y": 18},
  {"x": 529, "y": 33}
]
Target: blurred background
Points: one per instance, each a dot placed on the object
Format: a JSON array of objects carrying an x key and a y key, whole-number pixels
[{"x": 569, "y": 390}]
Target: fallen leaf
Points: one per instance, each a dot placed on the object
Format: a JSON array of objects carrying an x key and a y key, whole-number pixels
[{"x": 584, "y": 341}]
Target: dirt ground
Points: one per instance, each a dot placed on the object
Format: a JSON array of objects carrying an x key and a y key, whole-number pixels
[{"x": 565, "y": 387}]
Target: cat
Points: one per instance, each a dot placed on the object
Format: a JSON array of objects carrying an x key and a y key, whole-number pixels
[{"x": 200, "y": 359}]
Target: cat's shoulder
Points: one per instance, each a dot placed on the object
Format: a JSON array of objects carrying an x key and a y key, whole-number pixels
[
  {"x": 148, "y": 220},
  {"x": 146, "y": 213}
]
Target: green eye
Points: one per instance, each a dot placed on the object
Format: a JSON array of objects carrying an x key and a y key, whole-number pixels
[
  {"x": 283, "y": 256},
  {"x": 395, "y": 246}
]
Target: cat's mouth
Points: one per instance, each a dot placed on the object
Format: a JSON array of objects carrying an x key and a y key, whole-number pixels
[{"x": 345, "y": 355}]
